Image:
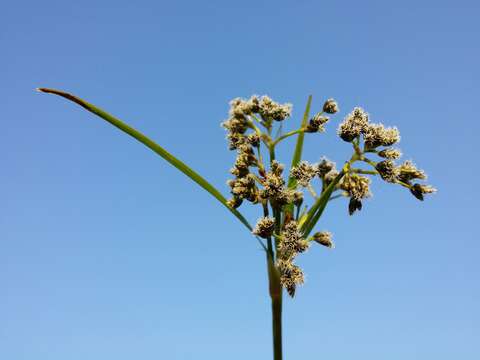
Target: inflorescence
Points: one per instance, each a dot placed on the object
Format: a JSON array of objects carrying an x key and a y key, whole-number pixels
[{"x": 285, "y": 225}]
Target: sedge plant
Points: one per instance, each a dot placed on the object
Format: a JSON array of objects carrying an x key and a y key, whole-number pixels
[{"x": 286, "y": 226}]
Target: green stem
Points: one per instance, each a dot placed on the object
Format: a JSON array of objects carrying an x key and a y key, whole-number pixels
[
  {"x": 254, "y": 127},
  {"x": 277, "y": 327},
  {"x": 276, "y": 297},
  {"x": 365, "y": 172},
  {"x": 270, "y": 253},
  {"x": 275, "y": 287},
  {"x": 284, "y": 136},
  {"x": 271, "y": 149}
]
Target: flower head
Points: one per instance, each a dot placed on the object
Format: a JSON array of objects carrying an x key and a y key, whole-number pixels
[
  {"x": 273, "y": 184},
  {"x": 253, "y": 139},
  {"x": 408, "y": 171},
  {"x": 303, "y": 172},
  {"x": 376, "y": 135},
  {"x": 387, "y": 170},
  {"x": 324, "y": 238},
  {"x": 291, "y": 241},
  {"x": 244, "y": 188},
  {"x": 290, "y": 275},
  {"x": 316, "y": 123},
  {"x": 236, "y": 125},
  {"x": 418, "y": 190},
  {"x": 271, "y": 110},
  {"x": 353, "y": 124},
  {"x": 264, "y": 227},
  {"x": 354, "y": 205},
  {"x": 392, "y": 154},
  {"x": 357, "y": 187},
  {"x": 324, "y": 167},
  {"x": 330, "y": 106}
]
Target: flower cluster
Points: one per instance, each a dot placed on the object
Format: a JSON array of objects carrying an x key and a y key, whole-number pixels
[
  {"x": 270, "y": 110},
  {"x": 324, "y": 238},
  {"x": 405, "y": 174},
  {"x": 290, "y": 244},
  {"x": 264, "y": 227},
  {"x": 317, "y": 123},
  {"x": 303, "y": 173},
  {"x": 244, "y": 186},
  {"x": 390, "y": 153},
  {"x": 280, "y": 192},
  {"x": 357, "y": 187},
  {"x": 327, "y": 171},
  {"x": 356, "y": 126},
  {"x": 330, "y": 106}
]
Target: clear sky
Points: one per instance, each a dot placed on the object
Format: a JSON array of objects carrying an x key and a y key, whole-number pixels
[{"x": 106, "y": 252}]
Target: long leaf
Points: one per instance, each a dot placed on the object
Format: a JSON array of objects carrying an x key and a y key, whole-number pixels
[
  {"x": 297, "y": 155},
  {"x": 317, "y": 209},
  {"x": 154, "y": 147}
]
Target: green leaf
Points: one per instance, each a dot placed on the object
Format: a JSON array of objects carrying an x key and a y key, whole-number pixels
[
  {"x": 154, "y": 147},
  {"x": 316, "y": 210},
  {"x": 297, "y": 155}
]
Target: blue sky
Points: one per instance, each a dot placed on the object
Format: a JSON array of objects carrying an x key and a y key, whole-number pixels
[{"x": 107, "y": 252}]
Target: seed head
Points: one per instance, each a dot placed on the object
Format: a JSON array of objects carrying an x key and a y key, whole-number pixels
[
  {"x": 292, "y": 242},
  {"x": 245, "y": 159},
  {"x": 284, "y": 197},
  {"x": 316, "y": 123},
  {"x": 408, "y": 171},
  {"x": 418, "y": 190},
  {"x": 235, "y": 139},
  {"x": 353, "y": 124},
  {"x": 246, "y": 152},
  {"x": 376, "y": 135},
  {"x": 276, "y": 168},
  {"x": 264, "y": 227},
  {"x": 387, "y": 170},
  {"x": 290, "y": 275},
  {"x": 253, "y": 139},
  {"x": 239, "y": 171},
  {"x": 240, "y": 107},
  {"x": 391, "y": 136},
  {"x": 358, "y": 187},
  {"x": 303, "y": 173},
  {"x": 392, "y": 154},
  {"x": 330, "y": 106},
  {"x": 242, "y": 161},
  {"x": 324, "y": 238},
  {"x": 236, "y": 125},
  {"x": 354, "y": 205},
  {"x": 324, "y": 167},
  {"x": 244, "y": 188},
  {"x": 270, "y": 110},
  {"x": 273, "y": 184},
  {"x": 284, "y": 265}
]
